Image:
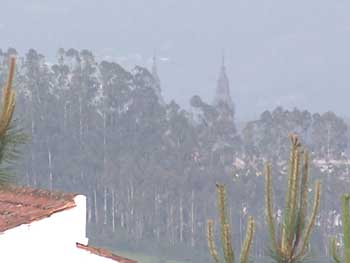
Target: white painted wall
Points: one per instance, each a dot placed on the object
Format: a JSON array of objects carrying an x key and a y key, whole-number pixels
[
  {"x": 51, "y": 239},
  {"x": 84, "y": 256}
]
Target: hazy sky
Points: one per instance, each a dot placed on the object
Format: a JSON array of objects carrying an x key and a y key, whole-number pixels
[{"x": 291, "y": 53}]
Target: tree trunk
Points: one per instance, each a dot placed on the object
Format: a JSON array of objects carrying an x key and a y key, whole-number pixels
[
  {"x": 50, "y": 168},
  {"x": 181, "y": 220},
  {"x": 113, "y": 211},
  {"x": 95, "y": 206},
  {"x": 105, "y": 206},
  {"x": 192, "y": 220}
]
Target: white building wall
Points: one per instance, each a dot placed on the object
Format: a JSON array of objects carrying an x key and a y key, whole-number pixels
[
  {"x": 52, "y": 239},
  {"x": 87, "y": 257}
]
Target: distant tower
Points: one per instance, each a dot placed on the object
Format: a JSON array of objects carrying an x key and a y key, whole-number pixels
[
  {"x": 156, "y": 78},
  {"x": 222, "y": 95}
]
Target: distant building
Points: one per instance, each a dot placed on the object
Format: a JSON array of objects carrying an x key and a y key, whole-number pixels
[
  {"x": 42, "y": 226},
  {"x": 223, "y": 94},
  {"x": 157, "y": 86}
]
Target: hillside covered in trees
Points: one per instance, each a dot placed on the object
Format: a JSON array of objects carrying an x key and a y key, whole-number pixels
[{"x": 149, "y": 167}]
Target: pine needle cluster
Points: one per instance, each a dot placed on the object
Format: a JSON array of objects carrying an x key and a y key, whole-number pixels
[
  {"x": 10, "y": 135},
  {"x": 346, "y": 234},
  {"x": 225, "y": 231},
  {"x": 292, "y": 242}
]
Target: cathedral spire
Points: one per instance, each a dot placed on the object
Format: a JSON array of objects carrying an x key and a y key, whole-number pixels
[
  {"x": 222, "y": 94},
  {"x": 223, "y": 67},
  {"x": 156, "y": 78},
  {"x": 154, "y": 67}
]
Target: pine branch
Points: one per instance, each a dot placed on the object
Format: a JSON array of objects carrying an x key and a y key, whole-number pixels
[
  {"x": 10, "y": 135},
  {"x": 294, "y": 236}
]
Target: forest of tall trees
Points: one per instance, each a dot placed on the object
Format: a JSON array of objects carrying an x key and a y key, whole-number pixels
[{"x": 149, "y": 168}]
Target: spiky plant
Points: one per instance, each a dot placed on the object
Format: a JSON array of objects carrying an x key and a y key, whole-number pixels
[
  {"x": 226, "y": 242},
  {"x": 10, "y": 135},
  {"x": 346, "y": 233},
  {"x": 292, "y": 243}
]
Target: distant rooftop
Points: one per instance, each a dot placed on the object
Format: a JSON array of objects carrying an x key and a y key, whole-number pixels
[
  {"x": 105, "y": 253},
  {"x": 23, "y": 205}
]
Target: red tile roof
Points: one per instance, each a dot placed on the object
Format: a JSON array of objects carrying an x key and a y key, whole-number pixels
[
  {"x": 22, "y": 205},
  {"x": 105, "y": 253}
]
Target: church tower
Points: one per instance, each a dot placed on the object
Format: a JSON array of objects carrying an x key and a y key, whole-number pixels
[
  {"x": 222, "y": 95},
  {"x": 156, "y": 78}
]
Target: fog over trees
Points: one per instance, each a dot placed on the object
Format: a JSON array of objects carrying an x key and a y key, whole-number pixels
[
  {"x": 148, "y": 167},
  {"x": 282, "y": 52}
]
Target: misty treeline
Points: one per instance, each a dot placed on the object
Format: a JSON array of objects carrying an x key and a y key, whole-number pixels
[{"x": 149, "y": 168}]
